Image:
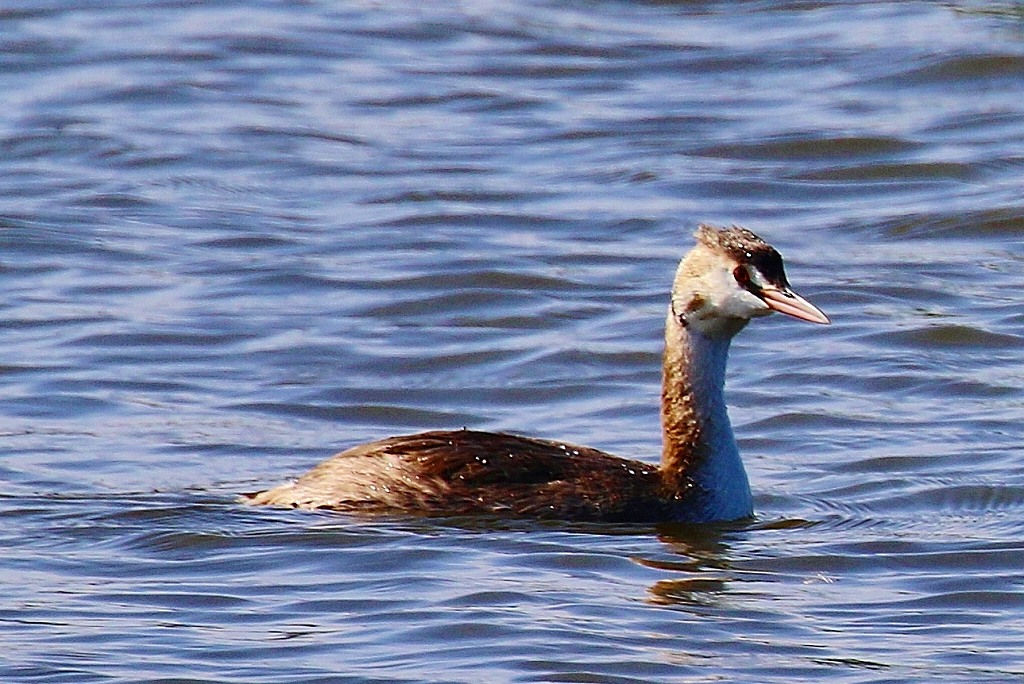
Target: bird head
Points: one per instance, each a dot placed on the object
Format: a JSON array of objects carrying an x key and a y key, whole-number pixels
[{"x": 731, "y": 276}]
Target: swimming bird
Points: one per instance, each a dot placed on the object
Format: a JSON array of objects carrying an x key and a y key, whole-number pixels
[{"x": 729, "y": 277}]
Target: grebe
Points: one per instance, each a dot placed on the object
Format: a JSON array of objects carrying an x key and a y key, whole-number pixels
[{"x": 728, "y": 278}]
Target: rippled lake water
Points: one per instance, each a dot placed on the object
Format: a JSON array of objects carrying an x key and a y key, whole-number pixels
[{"x": 236, "y": 237}]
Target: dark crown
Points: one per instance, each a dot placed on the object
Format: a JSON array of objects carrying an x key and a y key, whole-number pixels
[{"x": 745, "y": 247}]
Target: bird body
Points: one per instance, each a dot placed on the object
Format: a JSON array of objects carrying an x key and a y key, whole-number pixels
[
  {"x": 466, "y": 472},
  {"x": 728, "y": 278}
]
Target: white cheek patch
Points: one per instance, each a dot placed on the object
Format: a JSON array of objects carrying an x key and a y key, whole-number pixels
[
  {"x": 746, "y": 305},
  {"x": 730, "y": 300}
]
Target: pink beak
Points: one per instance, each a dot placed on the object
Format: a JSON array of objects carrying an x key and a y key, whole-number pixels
[{"x": 790, "y": 303}]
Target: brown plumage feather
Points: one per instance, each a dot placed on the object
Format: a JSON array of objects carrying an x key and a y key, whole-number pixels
[{"x": 465, "y": 472}]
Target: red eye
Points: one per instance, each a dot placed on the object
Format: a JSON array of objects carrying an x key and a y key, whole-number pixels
[{"x": 742, "y": 276}]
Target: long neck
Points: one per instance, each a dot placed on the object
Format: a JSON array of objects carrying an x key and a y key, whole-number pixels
[{"x": 700, "y": 461}]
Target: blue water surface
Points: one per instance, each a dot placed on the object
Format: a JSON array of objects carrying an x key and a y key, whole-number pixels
[{"x": 237, "y": 236}]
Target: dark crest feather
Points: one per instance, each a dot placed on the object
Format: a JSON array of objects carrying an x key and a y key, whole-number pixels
[{"x": 746, "y": 248}]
